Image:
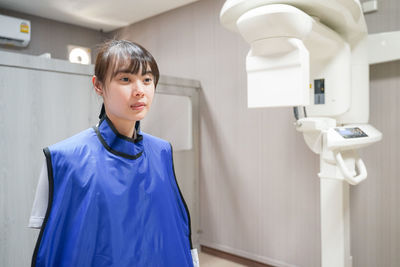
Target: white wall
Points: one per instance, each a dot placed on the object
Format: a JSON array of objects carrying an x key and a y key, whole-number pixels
[{"x": 42, "y": 102}]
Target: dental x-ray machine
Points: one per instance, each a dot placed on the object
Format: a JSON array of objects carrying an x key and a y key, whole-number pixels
[{"x": 313, "y": 53}]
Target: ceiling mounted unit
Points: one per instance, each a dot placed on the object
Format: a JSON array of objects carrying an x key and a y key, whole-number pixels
[{"x": 14, "y": 31}]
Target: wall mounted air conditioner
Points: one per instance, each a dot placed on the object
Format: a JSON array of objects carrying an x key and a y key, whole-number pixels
[{"x": 14, "y": 31}]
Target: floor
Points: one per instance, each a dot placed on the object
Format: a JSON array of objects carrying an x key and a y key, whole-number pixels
[{"x": 208, "y": 260}]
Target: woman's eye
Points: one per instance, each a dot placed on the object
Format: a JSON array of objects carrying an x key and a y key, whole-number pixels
[
  {"x": 125, "y": 79},
  {"x": 147, "y": 80}
]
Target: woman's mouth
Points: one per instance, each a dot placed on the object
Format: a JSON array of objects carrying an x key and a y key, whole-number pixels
[{"x": 138, "y": 106}]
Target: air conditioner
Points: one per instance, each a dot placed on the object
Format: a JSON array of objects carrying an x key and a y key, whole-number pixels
[{"x": 14, "y": 31}]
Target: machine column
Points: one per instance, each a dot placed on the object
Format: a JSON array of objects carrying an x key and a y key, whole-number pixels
[{"x": 335, "y": 216}]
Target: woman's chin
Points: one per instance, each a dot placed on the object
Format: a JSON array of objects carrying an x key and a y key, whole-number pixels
[{"x": 139, "y": 117}]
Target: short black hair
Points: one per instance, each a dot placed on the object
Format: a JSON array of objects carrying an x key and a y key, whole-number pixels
[{"x": 122, "y": 55}]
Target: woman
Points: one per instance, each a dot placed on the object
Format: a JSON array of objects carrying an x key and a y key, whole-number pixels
[{"x": 113, "y": 196}]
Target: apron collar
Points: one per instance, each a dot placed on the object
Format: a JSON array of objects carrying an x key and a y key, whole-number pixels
[{"x": 116, "y": 143}]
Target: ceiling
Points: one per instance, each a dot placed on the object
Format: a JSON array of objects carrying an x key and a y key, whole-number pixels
[{"x": 107, "y": 15}]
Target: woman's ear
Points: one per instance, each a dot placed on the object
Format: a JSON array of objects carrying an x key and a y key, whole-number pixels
[{"x": 97, "y": 85}]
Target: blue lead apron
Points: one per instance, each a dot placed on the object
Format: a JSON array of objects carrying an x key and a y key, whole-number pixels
[{"x": 113, "y": 201}]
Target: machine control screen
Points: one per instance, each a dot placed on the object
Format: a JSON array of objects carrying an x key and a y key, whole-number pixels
[{"x": 351, "y": 132}]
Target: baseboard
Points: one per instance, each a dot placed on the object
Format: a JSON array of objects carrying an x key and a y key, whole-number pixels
[
  {"x": 240, "y": 256},
  {"x": 233, "y": 258}
]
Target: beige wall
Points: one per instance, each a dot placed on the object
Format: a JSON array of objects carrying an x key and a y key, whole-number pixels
[
  {"x": 259, "y": 189},
  {"x": 258, "y": 180},
  {"x": 375, "y": 203}
]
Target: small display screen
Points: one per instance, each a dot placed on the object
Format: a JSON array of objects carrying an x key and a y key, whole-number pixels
[{"x": 351, "y": 132}]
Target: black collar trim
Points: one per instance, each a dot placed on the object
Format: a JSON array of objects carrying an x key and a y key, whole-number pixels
[
  {"x": 96, "y": 129},
  {"x": 132, "y": 140},
  {"x": 117, "y": 143}
]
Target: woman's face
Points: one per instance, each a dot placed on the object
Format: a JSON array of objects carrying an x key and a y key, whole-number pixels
[{"x": 127, "y": 96}]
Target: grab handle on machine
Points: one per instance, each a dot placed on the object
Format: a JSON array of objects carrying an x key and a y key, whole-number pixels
[{"x": 351, "y": 179}]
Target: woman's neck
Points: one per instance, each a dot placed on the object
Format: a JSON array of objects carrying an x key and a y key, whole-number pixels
[{"x": 124, "y": 127}]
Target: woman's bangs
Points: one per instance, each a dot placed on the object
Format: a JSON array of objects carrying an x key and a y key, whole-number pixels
[{"x": 128, "y": 63}]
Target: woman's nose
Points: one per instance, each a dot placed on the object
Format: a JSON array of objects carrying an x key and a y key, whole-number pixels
[{"x": 138, "y": 89}]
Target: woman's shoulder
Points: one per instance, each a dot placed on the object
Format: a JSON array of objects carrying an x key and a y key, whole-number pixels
[
  {"x": 77, "y": 141},
  {"x": 155, "y": 141}
]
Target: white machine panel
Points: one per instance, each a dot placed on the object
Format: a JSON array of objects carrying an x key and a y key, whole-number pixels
[{"x": 352, "y": 136}]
